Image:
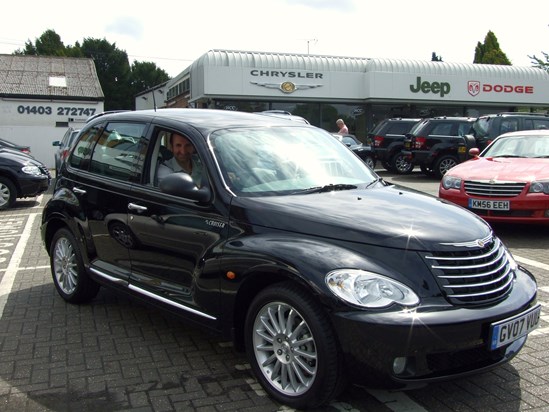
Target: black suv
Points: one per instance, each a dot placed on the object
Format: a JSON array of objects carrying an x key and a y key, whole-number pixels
[
  {"x": 273, "y": 250},
  {"x": 387, "y": 138},
  {"x": 21, "y": 176},
  {"x": 490, "y": 126},
  {"x": 439, "y": 143}
]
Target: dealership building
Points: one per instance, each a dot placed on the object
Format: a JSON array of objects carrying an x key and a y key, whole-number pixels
[{"x": 362, "y": 91}]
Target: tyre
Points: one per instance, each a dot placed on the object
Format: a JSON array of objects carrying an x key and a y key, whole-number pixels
[
  {"x": 387, "y": 166},
  {"x": 425, "y": 170},
  {"x": 444, "y": 164},
  {"x": 370, "y": 162},
  {"x": 8, "y": 193},
  {"x": 292, "y": 347},
  {"x": 69, "y": 275},
  {"x": 401, "y": 164}
]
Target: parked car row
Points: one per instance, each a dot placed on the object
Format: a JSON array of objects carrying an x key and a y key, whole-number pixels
[{"x": 438, "y": 144}]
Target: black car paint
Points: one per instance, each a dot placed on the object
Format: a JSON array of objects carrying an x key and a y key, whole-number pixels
[
  {"x": 206, "y": 259},
  {"x": 11, "y": 162}
]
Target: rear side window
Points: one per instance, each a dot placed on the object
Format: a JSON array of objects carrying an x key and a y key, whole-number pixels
[
  {"x": 399, "y": 127},
  {"x": 509, "y": 124},
  {"x": 465, "y": 128},
  {"x": 443, "y": 129},
  {"x": 81, "y": 155},
  {"x": 536, "y": 124},
  {"x": 120, "y": 151}
]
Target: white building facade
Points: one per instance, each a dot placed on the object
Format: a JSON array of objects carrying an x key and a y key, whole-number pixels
[{"x": 40, "y": 97}]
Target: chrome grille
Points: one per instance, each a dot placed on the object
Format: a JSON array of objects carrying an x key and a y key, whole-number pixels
[
  {"x": 473, "y": 276},
  {"x": 495, "y": 189}
]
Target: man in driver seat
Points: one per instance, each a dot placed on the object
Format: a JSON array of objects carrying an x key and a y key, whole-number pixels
[{"x": 184, "y": 159}]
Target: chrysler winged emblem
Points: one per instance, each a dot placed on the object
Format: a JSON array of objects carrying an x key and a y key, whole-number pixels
[
  {"x": 473, "y": 243},
  {"x": 286, "y": 87}
]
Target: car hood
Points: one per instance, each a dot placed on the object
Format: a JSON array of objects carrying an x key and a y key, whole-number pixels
[
  {"x": 502, "y": 168},
  {"x": 15, "y": 157},
  {"x": 389, "y": 216}
]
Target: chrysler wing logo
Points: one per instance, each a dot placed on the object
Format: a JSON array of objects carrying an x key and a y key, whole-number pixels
[
  {"x": 286, "y": 87},
  {"x": 473, "y": 87},
  {"x": 473, "y": 243}
]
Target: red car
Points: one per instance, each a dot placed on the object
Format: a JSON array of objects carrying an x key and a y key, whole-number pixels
[{"x": 507, "y": 182}]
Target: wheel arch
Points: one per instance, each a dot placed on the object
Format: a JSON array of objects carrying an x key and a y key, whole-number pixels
[{"x": 258, "y": 280}]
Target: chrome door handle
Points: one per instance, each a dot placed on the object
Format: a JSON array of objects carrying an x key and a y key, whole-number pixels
[{"x": 137, "y": 208}]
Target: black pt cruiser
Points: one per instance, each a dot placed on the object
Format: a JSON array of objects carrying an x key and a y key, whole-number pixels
[{"x": 284, "y": 240}]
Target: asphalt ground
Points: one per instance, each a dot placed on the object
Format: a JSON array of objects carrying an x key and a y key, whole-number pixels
[{"x": 118, "y": 354}]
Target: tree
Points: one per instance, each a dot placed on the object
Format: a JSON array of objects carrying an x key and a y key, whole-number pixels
[
  {"x": 113, "y": 71},
  {"x": 119, "y": 82},
  {"x": 435, "y": 58},
  {"x": 146, "y": 75},
  {"x": 537, "y": 62},
  {"x": 489, "y": 52}
]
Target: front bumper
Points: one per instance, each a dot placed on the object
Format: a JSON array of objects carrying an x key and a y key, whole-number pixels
[
  {"x": 33, "y": 185},
  {"x": 530, "y": 211},
  {"x": 436, "y": 344}
]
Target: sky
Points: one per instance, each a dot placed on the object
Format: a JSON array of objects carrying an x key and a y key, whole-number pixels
[{"x": 174, "y": 33}]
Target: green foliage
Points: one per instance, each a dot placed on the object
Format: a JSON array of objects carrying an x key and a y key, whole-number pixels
[
  {"x": 146, "y": 75},
  {"x": 489, "y": 52},
  {"x": 119, "y": 81},
  {"x": 435, "y": 58},
  {"x": 537, "y": 62}
]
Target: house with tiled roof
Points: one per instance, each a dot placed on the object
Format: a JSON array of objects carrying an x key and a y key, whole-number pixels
[{"x": 41, "y": 96}]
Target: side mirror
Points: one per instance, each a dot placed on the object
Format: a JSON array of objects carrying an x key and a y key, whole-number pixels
[
  {"x": 56, "y": 143},
  {"x": 474, "y": 152},
  {"x": 181, "y": 184}
]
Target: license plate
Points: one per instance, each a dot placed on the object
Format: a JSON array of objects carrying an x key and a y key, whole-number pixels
[
  {"x": 489, "y": 204},
  {"x": 508, "y": 330}
]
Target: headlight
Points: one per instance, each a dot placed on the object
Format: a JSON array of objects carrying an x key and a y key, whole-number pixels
[
  {"x": 31, "y": 170},
  {"x": 369, "y": 290},
  {"x": 539, "y": 187},
  {"x": 451, "y": 182}
]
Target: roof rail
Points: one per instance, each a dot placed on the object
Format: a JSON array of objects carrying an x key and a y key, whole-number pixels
[
  {"x": 523, "y": 114},
  {"x": 95, "y": 116}
]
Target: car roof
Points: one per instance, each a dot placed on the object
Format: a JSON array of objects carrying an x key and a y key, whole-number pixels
[
  {"x": 537, "y": 132},
  {"x": 204, "y": 120}
]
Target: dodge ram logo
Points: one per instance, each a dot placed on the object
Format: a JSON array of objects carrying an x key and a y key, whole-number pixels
[{"x": 473, "y": 87}]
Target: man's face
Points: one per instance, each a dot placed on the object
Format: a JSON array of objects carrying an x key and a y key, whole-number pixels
[{"x": 182, "y": 148}]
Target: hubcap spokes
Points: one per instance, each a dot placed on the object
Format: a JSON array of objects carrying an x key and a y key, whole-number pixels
[{"x": 285, "y": 349}]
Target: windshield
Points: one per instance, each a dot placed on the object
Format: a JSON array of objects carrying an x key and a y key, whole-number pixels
[
  {"x": 285, "y": 160},
  {"x": 519, "y": 146}
]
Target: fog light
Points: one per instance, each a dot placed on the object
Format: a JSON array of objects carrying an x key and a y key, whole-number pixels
[{"x": 399, "y": 365}]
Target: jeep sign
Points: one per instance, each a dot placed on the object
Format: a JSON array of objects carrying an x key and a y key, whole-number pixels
[{"x": 441, "y": 88}]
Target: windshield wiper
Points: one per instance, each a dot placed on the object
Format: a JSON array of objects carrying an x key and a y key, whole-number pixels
[{"x": 326, "y": 188}]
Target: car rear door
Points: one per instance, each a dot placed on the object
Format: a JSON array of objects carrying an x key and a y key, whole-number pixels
[{"x": 106, "y": 161}]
